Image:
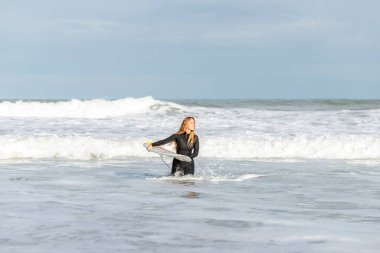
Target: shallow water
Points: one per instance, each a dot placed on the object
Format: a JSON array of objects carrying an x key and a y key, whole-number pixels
[
  {"x": 271, "y": 176},
  {"x": 229, "y": 206}
]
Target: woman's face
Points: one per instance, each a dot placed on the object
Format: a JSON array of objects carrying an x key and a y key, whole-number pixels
[{"x": 191, "y": 125}]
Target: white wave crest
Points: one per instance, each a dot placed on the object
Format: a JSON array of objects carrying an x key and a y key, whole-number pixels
[
  {"x": 302, "y": 146},
  {"x": 72, "y": 148},
  {"x": 95, "y": 108},
  {"x": 86, "y": 148}
]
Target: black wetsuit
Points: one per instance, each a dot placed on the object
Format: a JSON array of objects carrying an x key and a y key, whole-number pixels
[{"x": 183, "y": 148}]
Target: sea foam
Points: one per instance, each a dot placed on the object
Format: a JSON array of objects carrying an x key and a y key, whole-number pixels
[
  {"x": 86, "y": 148},
  {"x": 95, "y": 108}
]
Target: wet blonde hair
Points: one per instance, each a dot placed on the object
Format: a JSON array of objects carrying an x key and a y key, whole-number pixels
[{"x": 182, "y": 129}]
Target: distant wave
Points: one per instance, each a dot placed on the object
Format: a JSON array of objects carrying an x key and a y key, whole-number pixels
[
  {"x": 347, "y": 147},
  {"x": 95, "y": 108}
]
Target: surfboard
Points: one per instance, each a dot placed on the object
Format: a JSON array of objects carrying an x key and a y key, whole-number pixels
[{"x": 162, "y": 151}]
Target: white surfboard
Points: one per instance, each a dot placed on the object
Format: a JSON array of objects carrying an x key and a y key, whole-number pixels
[{"x": 161, "y": 151}]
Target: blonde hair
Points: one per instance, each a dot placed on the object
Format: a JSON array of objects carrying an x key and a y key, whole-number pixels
[{"x": 182, "y": 129}]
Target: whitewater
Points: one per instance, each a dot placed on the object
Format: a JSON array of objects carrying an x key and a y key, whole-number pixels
[
  {"x": 231, "y": 129},
  {"x": 271, "y": 176}
]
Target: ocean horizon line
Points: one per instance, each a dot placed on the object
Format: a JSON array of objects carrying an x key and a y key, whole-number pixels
[{"x": 189, "y": 99}]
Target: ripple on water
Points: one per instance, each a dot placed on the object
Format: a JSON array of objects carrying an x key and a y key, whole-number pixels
[{"x": 229, "y": 223}]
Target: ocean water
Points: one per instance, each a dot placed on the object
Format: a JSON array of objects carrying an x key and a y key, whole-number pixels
[{"x": 271, "y": 176}]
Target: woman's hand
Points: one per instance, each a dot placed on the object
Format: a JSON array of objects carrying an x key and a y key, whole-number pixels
[{"x": 149, "y": 147}]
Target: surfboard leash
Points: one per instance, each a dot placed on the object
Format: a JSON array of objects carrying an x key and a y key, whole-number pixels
[{"x": 164, "y": 161}]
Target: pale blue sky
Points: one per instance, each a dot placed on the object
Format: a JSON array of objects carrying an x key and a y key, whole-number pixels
[{"x": 190, "y": 49}]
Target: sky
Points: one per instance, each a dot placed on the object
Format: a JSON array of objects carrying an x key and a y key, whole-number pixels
[{"x": 189, "y": 49}]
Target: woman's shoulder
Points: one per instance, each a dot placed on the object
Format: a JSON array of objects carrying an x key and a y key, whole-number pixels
[{"x": 175, "y": 135}]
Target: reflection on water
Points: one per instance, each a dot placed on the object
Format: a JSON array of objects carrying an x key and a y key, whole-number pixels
[{"x": 191, "y": 195}]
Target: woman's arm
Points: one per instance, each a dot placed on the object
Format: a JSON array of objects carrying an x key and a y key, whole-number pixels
[
  {"x": 164, "y": 141},
  {"x": 196, "y": 148}
]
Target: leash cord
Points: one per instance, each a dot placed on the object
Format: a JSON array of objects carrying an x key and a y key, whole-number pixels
[{"x": 164, "y": 161}]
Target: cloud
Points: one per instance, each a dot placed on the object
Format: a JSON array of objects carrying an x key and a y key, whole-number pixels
[
  {"x": 91, "y": 25},
  {"x": 328, "y": 32},
  {"x": 38, "y": 29},
  {"x": 194, "y": 23}
]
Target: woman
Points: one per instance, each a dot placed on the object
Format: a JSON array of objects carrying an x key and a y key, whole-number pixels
[{"x": 187, "y": 143}]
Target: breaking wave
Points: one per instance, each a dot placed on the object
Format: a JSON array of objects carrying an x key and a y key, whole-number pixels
[
  {"x": 349, "y": 147},
  {"x": 95, "y": 108}
]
